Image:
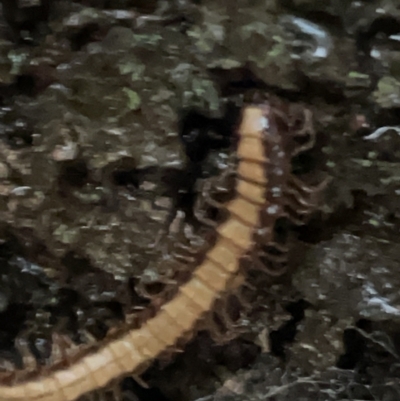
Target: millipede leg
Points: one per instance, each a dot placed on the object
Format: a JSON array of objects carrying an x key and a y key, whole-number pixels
[
  {"x": 295, "y": 216},
  {"x": 307, "y": 129},
  {"x": 223, "y": 334},
  {"x": 299, "y": 204},
  {"x": 271, "y": 257},
  {"x": 187, "y": 260},
  {"x": 205, "y": 198},
  {"x": 29, "y": 361},
  {"x": 201, "y": 203},
  {"x": 8, "y": 371},
  {"x": 66, "y": 348},
  {"x": 116, "y": 392},
  {"x": 279, "y": 247},
  {"x": 301, "y": 199},
  {"x": 6, "y": 366},
  {"x": 188, "y": 253},
  {"x": 192, "y": 250},
  {"x": 217, "y": 182},
  {"x": 259, "y": 264},
  {"x": 129, "y": 396},
  {"x": 206, "y": 190},
  {"x": 238, "y": 293},
  {"x": 205, "y": 220},
  {"x": 308, "y": 189}
]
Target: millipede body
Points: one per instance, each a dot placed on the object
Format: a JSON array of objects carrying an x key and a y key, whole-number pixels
[{"x": 211, "y": 278}]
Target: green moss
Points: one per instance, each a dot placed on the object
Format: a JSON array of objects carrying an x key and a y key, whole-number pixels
[
  {"x": 387, "y": 93},
  {"x": 134, "y": 99},
  {"x": 132, "y": 66},
  {"x": 65, "y": 234},
  {"x": 17, "y": 58}
]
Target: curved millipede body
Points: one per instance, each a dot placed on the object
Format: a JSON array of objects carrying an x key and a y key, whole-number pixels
[{"x": 178, "y": 317}]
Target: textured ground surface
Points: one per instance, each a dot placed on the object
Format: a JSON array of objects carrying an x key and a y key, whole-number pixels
[{"x": 97, "y": 153}]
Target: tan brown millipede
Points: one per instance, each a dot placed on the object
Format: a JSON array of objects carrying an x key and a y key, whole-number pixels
[{"x": 178, "y": 317}]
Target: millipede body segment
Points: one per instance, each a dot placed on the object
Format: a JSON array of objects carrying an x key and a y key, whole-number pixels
[{"x": 136, "y": 348}]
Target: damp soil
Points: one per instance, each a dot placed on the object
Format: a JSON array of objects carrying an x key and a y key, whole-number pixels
[{"x": 112, "y": 113}]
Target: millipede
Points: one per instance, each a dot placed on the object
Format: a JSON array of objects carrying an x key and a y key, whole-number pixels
[{"x": 265, "y": 190}]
